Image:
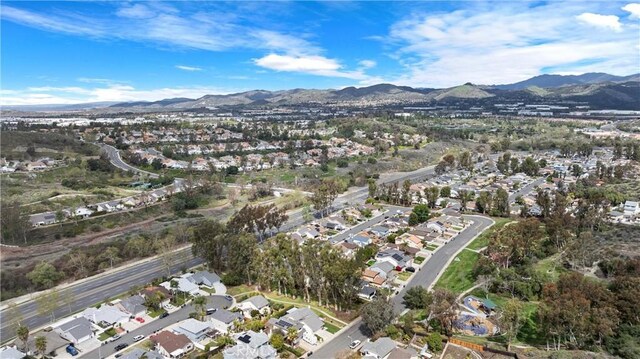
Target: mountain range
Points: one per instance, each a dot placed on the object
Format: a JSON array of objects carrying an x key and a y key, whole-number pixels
[{"x": 598, "y": 90}]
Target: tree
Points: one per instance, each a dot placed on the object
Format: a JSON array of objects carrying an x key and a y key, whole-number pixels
[
  {"x": 41, "y": 345},
  {"x": 200, "y": 304},
  {"x": 44, "y": 275},
  {"x": 483, "y": 202},
  {"x": 443, "y": 309},
  {"x": 372, "y": 187},
  {"x": 15, "y": 223},
  {"x": 464, "y": 160},
  {"x": 511, "y": 320},
  {"x": 291, "y": 336},
  {"x": 258, "y": 219},
  {"x": 441, "y": 168},
  {"x": 47, "y": 304},
  {"x": 164, "y": 247},
  {"x": 422, "y": 213},
  {"x": 324, "y": 195},
  {"x": 67, "y": 297},
  {"x": 529, "y": 166},
  {"x": 465, "y": 197},
  {"x": 156, "y": 164},
  {"x": 445, "y": 191},
  {"x": 23, "y": 334},
  {"x": 209, "y": 238},
  {"x": 111, "y": 253},
  {"x": 277, "y": 341},
  {"x": 432, "y": 194},
  {"x": 434, "y": 341},
  {"x": 417, "y": 298},
  {"x": 501, "y": 202},
  {"x": 377, "y": 314}
]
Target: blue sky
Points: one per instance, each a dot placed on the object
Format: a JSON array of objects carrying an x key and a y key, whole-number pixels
[{"x": 69, "y": 52}]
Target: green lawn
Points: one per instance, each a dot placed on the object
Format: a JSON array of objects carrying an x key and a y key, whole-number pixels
[
  {"x": 240, "y": 289},
  {"x": 331, "y": 328},
  {"x": 106, "y": 334},
  {"x": 431, "y": 247},
  {"x": 483, "y": 240},
  {"x": 403, "y": 276},
  {"x": 550, "y": 266},
  {"x": 154, "y": 313},
  {"x": 457, "y": 277},
  {"x": 418, "y": 260}
]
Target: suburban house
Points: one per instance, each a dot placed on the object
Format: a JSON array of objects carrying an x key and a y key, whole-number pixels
[
  {"x": 82, "y": 212},
  {"x": 204, "y": 278},
  {"x": 133, "y": 305},
  {"x": 159, "y": 291},
  {"x": 361, "y": 240},
  {"x": 251, "y": 345},
  {"x": 182, "y": 284},
  {"x": 257, "y": 302},
  {"x": 380, "y": 349},
  {"x": 11, "y": 353},
  {"x": 395, "y": 257},
  {"x": 76, "y": 331},
  {"x": 304, "y": 320},
  {"x": 631, "y": 207},
  {"x": 138, "y": 353},
  {"x": 373, "y": 277},
  {"x": 410, "y": 240},
  {"x": 172, "y": 345},
  {"x": 105, "y": 315},
  {"x": 367, "y": 292},
  {"x": 223, "y": 320},
  {"x": 193, "y": 329}
]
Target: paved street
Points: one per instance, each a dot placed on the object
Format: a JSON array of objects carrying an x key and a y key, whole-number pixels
[
  {"x": 526, "y": 189},
  {"x": 95, "y": 289},
  {"x": 424, "y": 277},
  {"x": 114, "y": 156},
  {"x": 215, "y": 301}
]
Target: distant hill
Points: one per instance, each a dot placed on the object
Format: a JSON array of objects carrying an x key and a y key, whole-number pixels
[
  {"x": 599, "y": 90},
  {"x": 546, "y": 81}
]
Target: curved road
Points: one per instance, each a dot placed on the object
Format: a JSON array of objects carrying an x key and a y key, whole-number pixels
[
  {"x": 426, "y": 277},
  {"x": 114, "y": 156}
]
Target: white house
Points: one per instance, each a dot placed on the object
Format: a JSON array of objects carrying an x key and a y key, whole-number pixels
[
  {"x": 257, "y": 302},
  {"x": 76, "y": 331},
  {"x": 631, "y": 207},
  {"x": 194, "y": 329},
  {"x": 106, "y": 314},
  {"x": 223, "y": 320},
  {"x": 379, "y": 349}
]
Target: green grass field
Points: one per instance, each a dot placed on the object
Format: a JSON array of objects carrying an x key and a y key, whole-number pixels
[
  {"x": 483, "y": 240},
  {"x": 457, "y": 277}
]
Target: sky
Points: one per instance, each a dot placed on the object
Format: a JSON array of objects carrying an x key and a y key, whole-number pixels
[{"x": 74, "y": 52}]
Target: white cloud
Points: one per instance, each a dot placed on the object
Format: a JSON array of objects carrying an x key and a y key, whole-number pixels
[
  {"x": 168, "y": 27},
  {"x": 188, "y": 68},
  {"x": 308, "y": 64},
  {"x": 610, "y": 22},
  {"x": 367, "y": 64},
  {"x": 504, "y": 43},
  {"x": 633, "y": 9}
]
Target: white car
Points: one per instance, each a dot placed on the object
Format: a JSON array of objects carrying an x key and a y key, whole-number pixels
[
  {"x": 354, "y": 344},
  {"x": 138, "y": 338}
]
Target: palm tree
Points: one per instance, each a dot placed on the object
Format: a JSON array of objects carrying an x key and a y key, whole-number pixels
[
  {"x": 200, "y": 303},
  {"x": 23, "y": 334},
  {"x": 41, "y": 345},
  {"x": 292, "y": 335}
]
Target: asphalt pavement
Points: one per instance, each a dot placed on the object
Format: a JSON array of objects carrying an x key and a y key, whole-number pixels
[
  {"x": 114, "y": 156},
  {"x": 90, "y": 291},
  {"x": 214, "y": 301},
  {"x": 425, "y": 276}
]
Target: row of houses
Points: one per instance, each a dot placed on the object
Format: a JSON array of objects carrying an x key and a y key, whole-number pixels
[{"x": 40, "y": 164}]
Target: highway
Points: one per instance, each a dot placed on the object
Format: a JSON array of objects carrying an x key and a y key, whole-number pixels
[
  {"x": 426, "y": 277},
  {"x": 92, "y": 290}
]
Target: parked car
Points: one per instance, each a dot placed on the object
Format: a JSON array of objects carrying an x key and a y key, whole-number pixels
[
  {"x": 139, "y": 319},
  {"x": 164, "y": 315},
  {"x": 410, "y": 269},
  {"x": 72, "y": 350},
  {"x": 113, "y": 338},
  {"x": 354, "y": 344},
  {"x": 138, "y": 338},
  {"x": 119, "y": 347}
]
